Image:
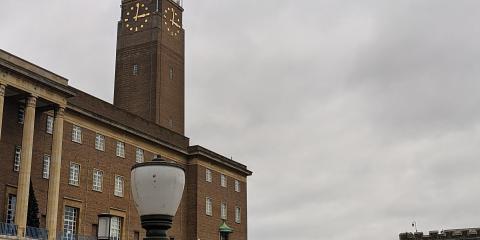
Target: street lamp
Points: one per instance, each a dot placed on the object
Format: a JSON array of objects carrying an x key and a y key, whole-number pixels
[{"x": 157, "y": 189}]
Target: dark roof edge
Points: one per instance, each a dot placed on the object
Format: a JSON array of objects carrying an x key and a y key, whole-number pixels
[
  {"x": 199, "y": 150},
  {"x": 125, "y": 128}
]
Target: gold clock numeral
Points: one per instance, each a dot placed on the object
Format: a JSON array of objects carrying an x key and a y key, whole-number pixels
[
  {"x": 146, "y": 20},
  {"x": 126, "y": 19}
]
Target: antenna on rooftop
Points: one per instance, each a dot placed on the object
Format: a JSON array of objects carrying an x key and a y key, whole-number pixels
[{"x": 414, "y": 225}]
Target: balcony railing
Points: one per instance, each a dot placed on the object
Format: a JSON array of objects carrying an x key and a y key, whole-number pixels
[
  {"x": 36, "y": 233},
  {"x": 69, "y": 236},
  {"x": 8, "y": 229}
]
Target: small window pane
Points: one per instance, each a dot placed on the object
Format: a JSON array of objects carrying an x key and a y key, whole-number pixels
[
  {"x": 139, "y": 156},
  {"x": 223, "y": 180},
  {"x": 74, "y": 174},
  {"x": 223, "y": 211},
  {"x": 49, "y": 128},
  {"x": 77, "y": 134},
  {"x": 121, "y": 149},
  {"x": 97, "y": 180},
  {"x": 135, "y": 70},
  {"x": 118, "y": 186},
  {"x": 46, "y": 166},
  {"x": 237, "y": 215},
  {"x": 208, "y": 206},
  {"x": 11, "y": 206},
  {"x": 100, "y": 142},
  {"x": 17, "y": 158},
  {"x": 237, "y": 186},
  {"x": 21, "y": 114},
  {"x": 208, "y": 175}
]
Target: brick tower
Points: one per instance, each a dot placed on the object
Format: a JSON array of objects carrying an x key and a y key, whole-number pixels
[{"x": 149, "y": 74}]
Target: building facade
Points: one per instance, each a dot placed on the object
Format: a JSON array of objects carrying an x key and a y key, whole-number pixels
[
  {"x": 73, "y": 152},
  {"x": 453, "y": 234}
]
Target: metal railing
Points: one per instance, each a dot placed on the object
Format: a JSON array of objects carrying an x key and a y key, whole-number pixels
[
  {"x": 36, "y": 233},
  {"x": 8, "y": 229},
  {"x": 69, "y": 236}
]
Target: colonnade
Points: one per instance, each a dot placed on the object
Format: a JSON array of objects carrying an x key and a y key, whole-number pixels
[{"x": 26, "y": 163}]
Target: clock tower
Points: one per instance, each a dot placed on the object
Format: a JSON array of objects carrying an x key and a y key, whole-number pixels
[{"x": 150, "y": 61}]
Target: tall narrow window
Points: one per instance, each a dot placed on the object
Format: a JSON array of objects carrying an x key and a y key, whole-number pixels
[
  {"x": 97, "y": 180},
  {"x": 100, "y": 142},
  {"x": 121, "y": 149},
  {"x": 223, "y": 180},
  {"x": 70, "y": 220},
  {"x": 135, "y": 70},
  {"x": 17, "y": 158},
  {"x": 49, "y": 127},
  {"x": 170, "y": 73},
  {"x": 208, "y": 206},
  {"x": 139, "y": 156},
  {"x": 46, "y": 166},
  {"x": 118, "y": 186},
  {"x": 238, "y": 214},
  {"x": 115, "y": 228},
  {"x": 21, "y": 114},
  {"x": 208, "y": 175},
  {"x": 223, "y": 210},
  {"x": 77, "y": 134},
  {"x": 237, "y": 186},
  {"x": 11, "y": 205},
  {"x": 74, "y": 176}
]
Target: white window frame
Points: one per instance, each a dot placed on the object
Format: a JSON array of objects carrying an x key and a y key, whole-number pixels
[
  {"x": 135, "y": 70},
  {"x": 97, "y": 184},
  {"x": 46, "y": 166},
  {"x": 120, "y": 151},
  {"x": 223, "y": 211},
  {"x": 49, "y": 127},
  {"x": 115, "y": 228},
  {"x": 237, "y": 186},
  {"x": 238, "y": 214},
  {"x": 223, "y": 180},
  {"x": 17, "y": 159},
  {"x": 119, "y": 186},
  {"x": 139, "y": 155},
  {"x": 208, "y": 206},
  {"x": 208, "y": 175},
  {"x": 100, "y": 142},
  {"x": 76, "y": 134},
  {"x": 70, "y": 222},
  {"x": 74, "y": 174}
]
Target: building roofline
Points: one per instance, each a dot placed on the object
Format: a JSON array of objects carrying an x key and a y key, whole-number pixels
[{"x": 198, "y": 150}]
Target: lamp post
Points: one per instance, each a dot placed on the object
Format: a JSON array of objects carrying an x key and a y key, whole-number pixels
[{"x": 157, "y": 189}]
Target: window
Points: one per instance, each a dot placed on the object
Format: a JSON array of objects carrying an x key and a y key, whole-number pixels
[
  {"x": 77, "y": 134},
  {"x": 100, "y": 142},
  {"x": 115, "y": 228},
  {"x": 238, "y": 215},
  {"x": 121, "y": 149},
  {"x": 49, "y": 128},
  {"x": 208, "y": 175},
  {"x": 46, "y": 166},
  {"x": 97, "y": 180},
  {"x": 136, "y": 235},
  {"x": 17, "y": 158},
  {"x": 223, "y": 180},
  {"x": 118, "y": 186},
  {"x": 223, "y": 211},
  {"x": 237, "y": 186},
  {"x": 170, "y": 73},
  {"x": 139, "y": 156},
  {"x": 135, "y": 70},
  {"x": 21, "y": 114},
  {"x": 70, "y": 219},
  {"x": 74, "y": 174},
  {"x": 11, "y": 205},
  {"x": 208, "y": 206}
]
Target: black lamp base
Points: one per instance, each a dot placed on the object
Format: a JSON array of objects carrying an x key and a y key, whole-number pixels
[{"x": 156, "y": 226}]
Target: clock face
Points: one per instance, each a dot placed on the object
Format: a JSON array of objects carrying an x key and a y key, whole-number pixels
[
  {"x": 172, "y": 21},
  {"x": 136, "y": 16}
]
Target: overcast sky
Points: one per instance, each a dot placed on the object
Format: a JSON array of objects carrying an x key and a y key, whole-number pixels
[{"x": 357, "y": 117}]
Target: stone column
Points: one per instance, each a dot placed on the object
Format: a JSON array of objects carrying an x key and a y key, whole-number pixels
[
  {"x": 55, "y": 169},
  {"x": 25, "y": 166},
  {"x": 2, "y": 98}
]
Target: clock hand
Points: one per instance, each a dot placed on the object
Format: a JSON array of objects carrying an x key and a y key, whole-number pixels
[
  {"x": 143, "y": 15},
  {"x": 138, "y": 8}
]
